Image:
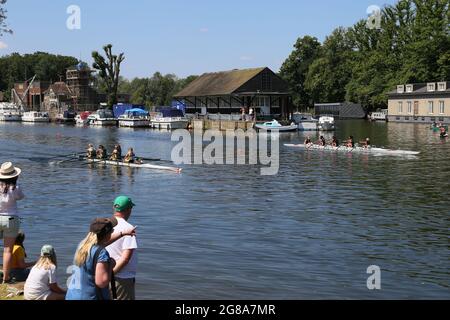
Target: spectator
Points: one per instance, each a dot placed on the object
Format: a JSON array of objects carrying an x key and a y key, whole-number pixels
[
  {"x": 19, "y": 268},
  {"x": 41, "y": 284}
]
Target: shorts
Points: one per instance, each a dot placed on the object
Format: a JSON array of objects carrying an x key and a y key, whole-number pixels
[{"x": 9, "y": 226}]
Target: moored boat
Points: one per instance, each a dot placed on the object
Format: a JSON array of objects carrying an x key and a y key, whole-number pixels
[
  {"x": 34, "y": 116},
  {"x": 169, "y": 119},
  {"x": 305, "y": 122},
  {"x": 82, "y": 118},
  {"x": 10, "y": 112},
  {"x": 134, "y": 118},
  {"x": 276, "y": 126},
  {"x": 103, "y": 118},
  {"x": 371, "y": 150},
  {"x": 326, "y": 123}
]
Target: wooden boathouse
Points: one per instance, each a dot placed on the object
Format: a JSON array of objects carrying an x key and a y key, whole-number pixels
[{"x": 258, "y": 91}]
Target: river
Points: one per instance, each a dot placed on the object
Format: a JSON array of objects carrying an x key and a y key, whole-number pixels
[{"x": 226, "y": 232}]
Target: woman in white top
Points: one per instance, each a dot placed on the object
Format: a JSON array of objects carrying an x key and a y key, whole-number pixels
[
  {"x": 41, "y": 283},
  {"x": 10, "y": 193}
]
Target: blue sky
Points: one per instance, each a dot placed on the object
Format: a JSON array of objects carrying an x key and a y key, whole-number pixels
[{"x": 178, "y": 36}]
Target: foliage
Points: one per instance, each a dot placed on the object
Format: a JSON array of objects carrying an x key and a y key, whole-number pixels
[
  {"x": 3, "y": 26},
  {"x": 109, "y": 71}
]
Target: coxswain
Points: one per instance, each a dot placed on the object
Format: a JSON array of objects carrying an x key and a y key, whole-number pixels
[
  {"x": 308, "y": 141},
  {"x": 101, "y": 153},
  {"x": 350, "y": 142},
  {"x": 90, "y": 152},
  {"x": 335, "y": 142},
  {"x": 322, "y": 141},
  {"x": 116, "y": 155}
]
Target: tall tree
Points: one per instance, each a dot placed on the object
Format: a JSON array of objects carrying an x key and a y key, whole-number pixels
[
  {"x": 3, "y": 25},
  {"x": 109, "y": 71},
  {"x": 295, "y": 69}
]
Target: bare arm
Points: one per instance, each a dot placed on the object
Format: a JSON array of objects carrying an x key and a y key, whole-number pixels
[
  {"x": 124, "y": 260},
  {"x": 102, "y": 274},
  {"x": 55, "y": 288},
  {"x": 117, "y": 235}
]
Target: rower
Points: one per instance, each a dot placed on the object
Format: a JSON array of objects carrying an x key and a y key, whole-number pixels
[
  {"x": 322, "y": 141},
  {"x": 90, "y": 152},
  {"x": 335, "y": 142},
  {"x": 443, "y": 132},
  {"x": 116, "y": 155},
  {"x": 308, "y": 141},
  {"x": 130, "y": 157},
  {"x": 366, "y": 143},
  {"x": 101, "y": 153},
  {"x": 350, "y": 142}
]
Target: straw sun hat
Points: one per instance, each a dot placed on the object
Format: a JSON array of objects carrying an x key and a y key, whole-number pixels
[{"x": 8, "y": 171}]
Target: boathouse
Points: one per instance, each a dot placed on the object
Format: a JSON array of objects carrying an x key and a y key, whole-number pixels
[
  {"x": 228, "y": 92},
  {"x": 341, "y": 110},
  {"x": 420, "y": 103}
]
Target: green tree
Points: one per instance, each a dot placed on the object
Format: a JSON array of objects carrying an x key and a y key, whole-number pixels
[
  {"x": 109, "y": 71},
  {"x": 295, "y": 69},
  {"x": 3, "y": 25}
]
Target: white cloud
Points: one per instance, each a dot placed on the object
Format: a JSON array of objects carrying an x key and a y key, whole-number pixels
[
  {"x": 246, "y": 58},
  {"x": 3, "y": 45},
  {"x": 204, "y": 30}
]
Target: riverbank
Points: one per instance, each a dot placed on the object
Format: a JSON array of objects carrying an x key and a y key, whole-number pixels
[{"x": 12, "y": 291}]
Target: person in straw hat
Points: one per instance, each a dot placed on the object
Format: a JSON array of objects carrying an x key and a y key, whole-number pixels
[{"x": 10, "y": 193}]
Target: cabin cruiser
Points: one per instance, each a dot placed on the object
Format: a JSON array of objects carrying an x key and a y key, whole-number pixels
[
  {"x": 10, "y": 112},
  {"x": 305, "y": 122},
  {"x": 65, "y": 117},
  {"x": 379, "y": 116},
  {"x": 35, "y": 116},
  {"x": 276, "y": 126},
  {"x": 169, "y": 119},
  {"x": 102, "y": 117},
  {"x": 134, "y": 118},
  {"x": 81, "y": 119},
  {"x": 326, "y": 123}
]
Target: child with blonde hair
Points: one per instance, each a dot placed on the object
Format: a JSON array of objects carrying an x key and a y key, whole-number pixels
[{"x": 41, "y": 283}]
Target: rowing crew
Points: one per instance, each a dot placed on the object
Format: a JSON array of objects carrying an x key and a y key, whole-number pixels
[
  {"x": 350, "y": 143},
  {"x": 116, "y": 155}
]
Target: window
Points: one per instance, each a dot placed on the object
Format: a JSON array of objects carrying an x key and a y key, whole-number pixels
[
  {"x": 430, "y": 107},
  {"x": 400, "y": 107},
  {"x": 431, "y": 87},
  {"x": 400, "y": 89},
  {"x": 441, "y": 107},
  {"x": 397, "y": 118},
  {"x": 433, "y": 119},
  {"x": 409, "y": 107},
  {"x": 442, "y": 86},
  {"x": 423, "y": 118},
  {"x": 409, "y": 88},
  {"x": 406, "y": 118},
  {"x": 441, "y": 119},
  {"x": 266, "y": 81}
]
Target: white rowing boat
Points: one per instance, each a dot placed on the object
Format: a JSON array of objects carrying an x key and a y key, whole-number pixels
[
  {"x": 370, "y": 150},
  {"x": 135, "y": 165}
]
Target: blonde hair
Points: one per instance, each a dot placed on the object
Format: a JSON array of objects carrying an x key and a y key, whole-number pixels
[
  {"x": 46, "y": 262},
  {"x": 84, "y": 248}
]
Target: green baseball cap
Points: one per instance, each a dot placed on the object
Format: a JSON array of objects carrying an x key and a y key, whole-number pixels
[{"x": 123, "y": 203}]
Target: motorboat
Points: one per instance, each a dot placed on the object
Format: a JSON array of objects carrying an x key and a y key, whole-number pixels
[
  {"x": 81, "y": 119},
  {"x": 305, "y": 122},
  {"x": 35, "y": 116},
  {"x": 10, "y": 112},
  {"x": 134, "y": 118},
  {"x": 169, "y": 119},
  {"x": 326, "y": 123},
  {"x": 65, "y": 117},
  {"x": 378, "y": 116},
  {"x": 102, "y": 117},
  {"x": 276, "y": 126}
]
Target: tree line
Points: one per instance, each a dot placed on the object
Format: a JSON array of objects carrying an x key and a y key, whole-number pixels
[{"x": 362, "y": 64}]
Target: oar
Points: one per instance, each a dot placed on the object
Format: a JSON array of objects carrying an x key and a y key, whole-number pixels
[
  {"x": 151, "y": 159},
  {"x": 65, "y": 156}
]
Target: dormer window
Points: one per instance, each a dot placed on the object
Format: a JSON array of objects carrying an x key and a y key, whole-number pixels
[
  {"x": 400, "y": 89},
  {"x": 442, "y": 86},
  {"x": 409, "y": 88},
  {"x": 431, "y": 87}
]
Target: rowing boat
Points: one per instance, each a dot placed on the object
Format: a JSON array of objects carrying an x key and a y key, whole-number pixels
[
  {"x": 135, "y": 165},
  {"x": 370, "y": 150}
]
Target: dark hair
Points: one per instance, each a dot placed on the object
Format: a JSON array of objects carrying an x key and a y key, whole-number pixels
[
  {"x": 19, "y": 241},
  {"x": 7, "y": 183}
]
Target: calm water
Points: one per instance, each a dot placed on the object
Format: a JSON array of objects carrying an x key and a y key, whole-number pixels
[{"x": 219, "y": 232}]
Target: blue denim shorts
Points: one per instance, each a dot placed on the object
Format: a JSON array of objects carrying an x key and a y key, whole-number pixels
[{"x": 9, "y": 226}]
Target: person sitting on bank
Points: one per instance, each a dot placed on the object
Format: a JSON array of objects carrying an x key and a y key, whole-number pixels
[
  {"x": 350, "y": 142},
  {"x": 101, "y": 153},
  {"x": 19, "y": 268},
  {"x": 308, "y": 141},
  {"x": 41, "y": 283},
  {"x": 335, "y": 142},
  {"x": 116, "y": 155},
  {"x": 90, "y": 152},
  {"x": 322, "y": 141},
  {"x": 130, "y": 157}
]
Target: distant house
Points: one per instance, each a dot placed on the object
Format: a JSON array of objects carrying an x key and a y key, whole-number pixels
[
  {"x": 31, "y": 95},
  {"x": 341, "y": 110},
  {"x": 420, "y": 102},
  {"x": 227, "y": 92},
  {"x": 79, "y": 81},
  {"x": 57, "y": 99}
]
